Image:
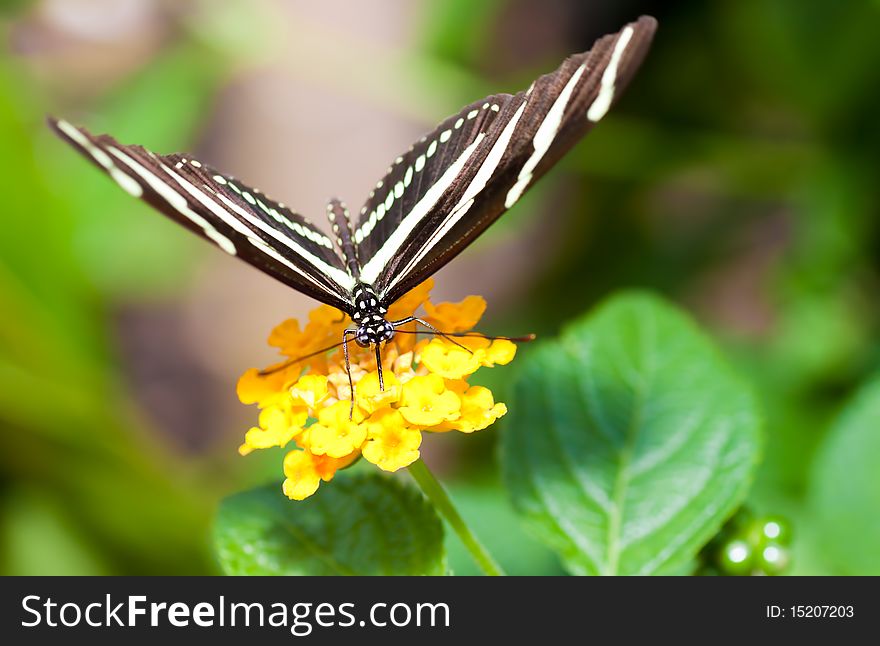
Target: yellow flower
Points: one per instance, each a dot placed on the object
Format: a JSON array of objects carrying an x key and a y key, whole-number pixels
[
  {"x": 425, "y": 389},
  {"x": 310, "y": 391},
  {"x": 444, "y": 358},
  {"x": 304, "y": 472},
  {"x": 500, "y": 353},
  {"x": 335, "y": 434},
  {"x": 391, "y": 443},
  {"x": 456, "y": 317},
  {"x": 277, "y": 427},
  {"x": 425, "y": 401},
  {"x": 370, "y": 398},
  {"x": 254, "y": 388},
  {"x": 478, "y": 410}
]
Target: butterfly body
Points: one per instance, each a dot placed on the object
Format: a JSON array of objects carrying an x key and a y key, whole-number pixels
[
  {"x": 434, "y": 200},
  {"x": 368, "y": 314}
]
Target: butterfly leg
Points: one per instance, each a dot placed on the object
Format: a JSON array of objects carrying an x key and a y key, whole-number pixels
[
  {"x": 345, "y": 333},
  {"x": 410, "y": 319}
]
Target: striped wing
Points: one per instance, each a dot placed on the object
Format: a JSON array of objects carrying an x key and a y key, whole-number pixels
[
  {"x": 444, "y": 192},
  {"x": 240, "y": 220}
]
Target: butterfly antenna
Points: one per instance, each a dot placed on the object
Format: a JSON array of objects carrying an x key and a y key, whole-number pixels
[
  {"x": 431, "y": 328},
  {"x": 478, "y": 335}
]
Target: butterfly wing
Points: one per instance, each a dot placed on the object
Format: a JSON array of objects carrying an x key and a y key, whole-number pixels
[
  {"x": 424, "y": 213},
  {"x": 238, "y": 219},
  {"x": 407, "y": 200}
]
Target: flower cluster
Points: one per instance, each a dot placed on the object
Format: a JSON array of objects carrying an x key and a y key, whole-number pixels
[{"x": 425, "y": 389}]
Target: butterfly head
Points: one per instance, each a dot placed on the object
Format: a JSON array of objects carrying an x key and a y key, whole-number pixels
[
  {"x": 369, "y": 316},
  {"x": 374, "y": 332}
]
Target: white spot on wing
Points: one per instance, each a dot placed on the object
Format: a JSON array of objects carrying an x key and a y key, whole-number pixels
[
  {"x": 179, "y": 203},
  {"x": 383, "y": 255},
  {"x": 543, "y": 138},
  {"x": 127, "y": 184},
  {"x": 481, "y": 178},
  {"x": 602, "y": 103},
  {"x": 336, "y": 275}
]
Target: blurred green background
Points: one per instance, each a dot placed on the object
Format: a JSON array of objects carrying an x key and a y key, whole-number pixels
[{"x": 738, "y": 177}]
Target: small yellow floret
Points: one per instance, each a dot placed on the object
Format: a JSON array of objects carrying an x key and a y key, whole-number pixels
[
  {"x": 425, "y": 401},
  {"x": 391, "y": 443}
]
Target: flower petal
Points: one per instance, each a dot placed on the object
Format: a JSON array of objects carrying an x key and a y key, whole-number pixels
[
  {"x": 278, "y": 425},
  {"x": 501, "y": 352},
  {"x": 305, "y": 471},
  {"x": 370, "y": 398},
  {"x": 265, "y": 390},
  {"x": 391, "y": 443},
  {"x": 444, "y": 358},
  {"x": 336, "y": 435},
  {"x": 310, "y": 391},
  {"x": 456, "y": 317},
  {"x": 478, "y": 411},
  {"x": 426, "y": 402},
  {"x": 407, "y": 304}
]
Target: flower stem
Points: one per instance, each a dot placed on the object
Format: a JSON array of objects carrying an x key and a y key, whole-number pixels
[{"x": 435, "y": 492}]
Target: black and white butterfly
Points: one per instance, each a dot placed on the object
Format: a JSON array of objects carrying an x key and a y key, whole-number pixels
[{"x": 434, "y": 201}]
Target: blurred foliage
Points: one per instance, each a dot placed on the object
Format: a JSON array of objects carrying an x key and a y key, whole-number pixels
[
  {"x": 845, "y": 486},
  {"x": 85, "y": 487},
  {"x": 483, "y": 503},
  {"x": 737, "y": 178}
]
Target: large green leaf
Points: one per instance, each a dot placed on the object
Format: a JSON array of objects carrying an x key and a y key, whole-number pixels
[
  {"x": 845, "y": 491},
  {"x": 629, "y": 440},
  {"x": 358, "y": 524}
]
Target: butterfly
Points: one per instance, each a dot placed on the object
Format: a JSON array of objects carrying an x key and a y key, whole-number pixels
[{"x": 433, "y": 202}]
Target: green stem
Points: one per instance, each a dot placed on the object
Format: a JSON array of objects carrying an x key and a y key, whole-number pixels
[{"x": 435, "y": 492}]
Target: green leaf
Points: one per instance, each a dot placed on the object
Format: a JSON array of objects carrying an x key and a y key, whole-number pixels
[
  {"x": 359, "y": 524},
  {"x": 629, "y": 440},
  {"x": 845, "y": 491}
]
